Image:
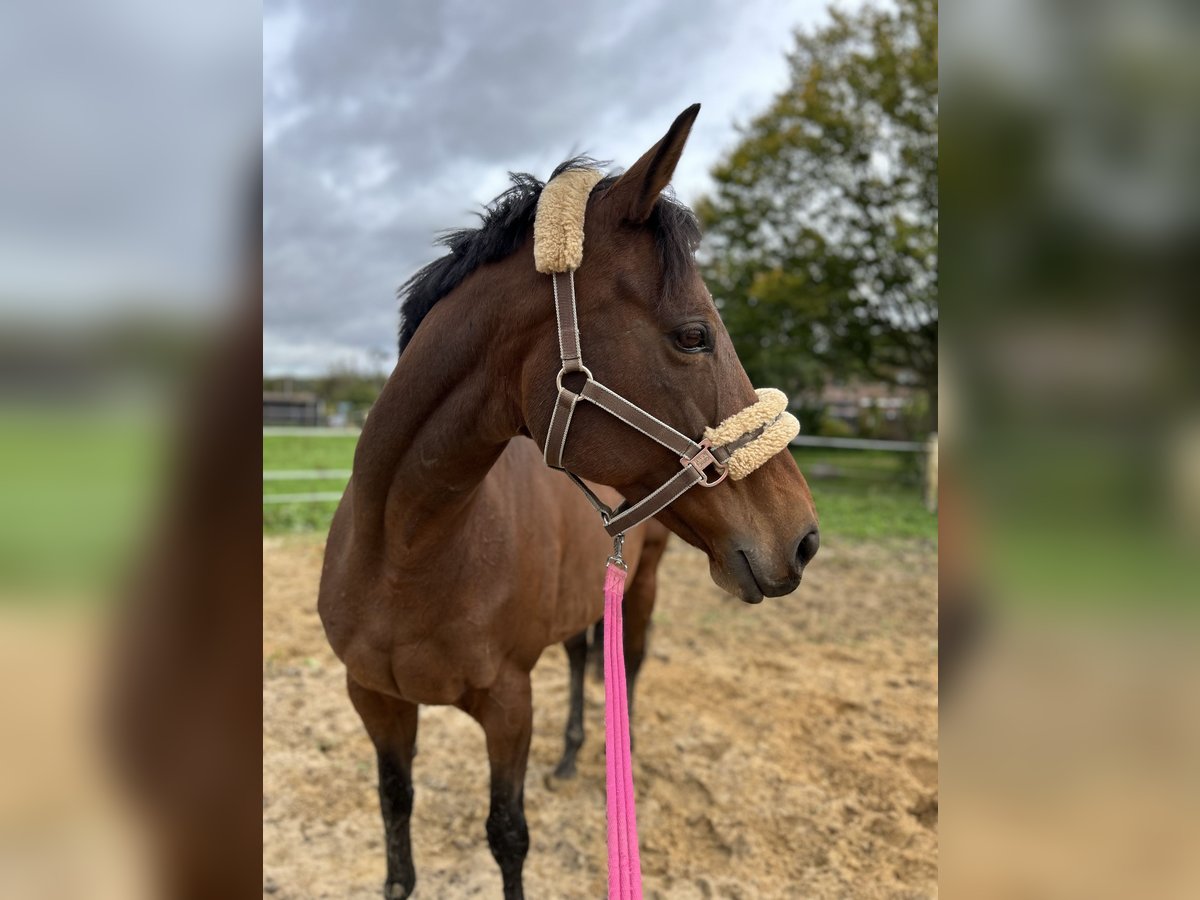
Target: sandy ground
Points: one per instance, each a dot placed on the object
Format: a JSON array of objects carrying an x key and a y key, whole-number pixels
[
  {"x": 65, "y": 830},
  {"x": 783, "y": 750}
]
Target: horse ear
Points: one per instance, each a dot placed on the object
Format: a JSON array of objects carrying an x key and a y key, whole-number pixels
[{"x": 635, "y": 193}]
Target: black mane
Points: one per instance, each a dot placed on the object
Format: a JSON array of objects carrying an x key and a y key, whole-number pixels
[{"x": 503, "y": 227}]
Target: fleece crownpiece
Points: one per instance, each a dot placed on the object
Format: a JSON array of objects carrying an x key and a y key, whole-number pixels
[{"x": 558, "y": 225}]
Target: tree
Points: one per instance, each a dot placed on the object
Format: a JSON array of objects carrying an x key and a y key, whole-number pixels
[
  {"x": 350, "y": 382},
  {"x": 822, "y": 228}
]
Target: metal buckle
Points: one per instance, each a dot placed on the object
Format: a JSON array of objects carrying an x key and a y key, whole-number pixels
[{"x": 702, "y": 460}]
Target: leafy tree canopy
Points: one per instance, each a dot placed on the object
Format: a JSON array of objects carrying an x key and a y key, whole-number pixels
[{"x": 822, "y": 229}]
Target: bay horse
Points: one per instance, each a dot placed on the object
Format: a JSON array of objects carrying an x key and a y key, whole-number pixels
[{"x": 456, "y": 556}]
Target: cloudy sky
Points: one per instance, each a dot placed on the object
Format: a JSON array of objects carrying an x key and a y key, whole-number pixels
[
  {"x": 385, "y": 122},
  {"x": 130, "y": 132}
]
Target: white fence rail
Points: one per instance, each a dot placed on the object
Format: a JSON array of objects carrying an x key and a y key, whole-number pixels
[
  {"x": 305, "y": 474},
  {"x": 315, "y": 497},
  {"x": 286, "y": 431},
  {"x": 802, "y": 440}
]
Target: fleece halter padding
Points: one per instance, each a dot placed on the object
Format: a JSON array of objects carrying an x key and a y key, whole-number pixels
[
  {"x": 769, "y": 417},
  {"x": 558, "y": 223}
]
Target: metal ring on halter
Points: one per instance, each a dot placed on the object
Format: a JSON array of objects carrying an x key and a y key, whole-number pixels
[
  {"x": 582, "y": 370},
  {"x": 701, "y": 461}
]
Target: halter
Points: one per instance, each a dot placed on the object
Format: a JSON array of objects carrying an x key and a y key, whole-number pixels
[{"x": 733, "y": 449}]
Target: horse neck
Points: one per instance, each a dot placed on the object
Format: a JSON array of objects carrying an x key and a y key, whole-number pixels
[{"x": 445, "y": 415}]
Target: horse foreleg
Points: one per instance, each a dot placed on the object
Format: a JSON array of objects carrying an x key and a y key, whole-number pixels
[
  {"x": 392, "y": 725},
  {"x": 577, "y": 649},
  {"x": 596, "y": 650},
  {"x": 506, "y": 713}
]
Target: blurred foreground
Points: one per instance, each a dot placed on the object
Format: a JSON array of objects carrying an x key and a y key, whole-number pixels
[
  {"x": 130, "y": 311},
  {"x": 1070, "y": 553},
  {"x": 129, "y": 617}
]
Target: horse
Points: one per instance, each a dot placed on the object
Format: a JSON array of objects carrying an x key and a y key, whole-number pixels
[{"x": 456, "y": 556}]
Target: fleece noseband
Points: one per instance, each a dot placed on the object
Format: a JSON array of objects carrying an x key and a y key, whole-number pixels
[{"x": 734, "y": 448}]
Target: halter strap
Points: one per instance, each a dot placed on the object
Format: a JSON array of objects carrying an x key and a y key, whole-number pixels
[
  {"x": 569, "y": 350},
  {"x": 694, "y": 456},
  {"x": 734, "y": 448}
]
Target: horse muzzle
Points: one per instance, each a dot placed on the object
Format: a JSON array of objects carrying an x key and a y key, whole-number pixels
[{"x": 750, "y": 574}]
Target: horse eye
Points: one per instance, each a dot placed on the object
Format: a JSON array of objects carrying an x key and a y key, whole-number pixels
[{"x": 692, "y": 338}]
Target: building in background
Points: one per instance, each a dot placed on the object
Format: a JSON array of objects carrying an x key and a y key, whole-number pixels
[
  {"x": 871, "y": 409},
  {"x": 296, "y": 409}
]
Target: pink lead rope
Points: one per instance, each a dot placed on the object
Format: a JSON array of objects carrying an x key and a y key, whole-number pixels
[{"x": 624, "y": 861}]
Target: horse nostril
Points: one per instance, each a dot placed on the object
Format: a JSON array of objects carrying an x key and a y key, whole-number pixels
[{"x": 808, "y": 546}]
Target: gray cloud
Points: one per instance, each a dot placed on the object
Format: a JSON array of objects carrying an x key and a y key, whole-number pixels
[
  {"x": 386, "y": 122},
  {"x": 129, "y": 138}
]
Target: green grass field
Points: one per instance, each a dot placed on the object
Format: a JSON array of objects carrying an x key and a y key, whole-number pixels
[
  {"x": 76, "y": 487},
  {"x": 860, "y": 494},
  {"x": 283, "y": 453},
  {"x": 867, "y": 494}
]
